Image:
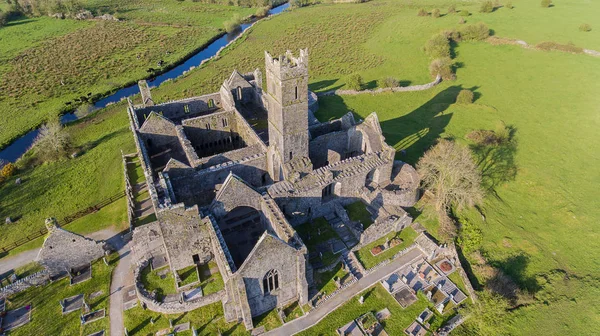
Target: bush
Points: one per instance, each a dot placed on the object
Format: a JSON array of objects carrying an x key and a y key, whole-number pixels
[
  {"x": 451, "y": 34},
  {"x": 509, "y": 5},
  {"x": 2, "y": 18},
  {"x": 452, "y": 9},
  {"x": 262, "y": 11},
  {"x": 442, "y": 67},
  {"x": 388, "y": 82},
  {"x": 461, "y": 21},
  {"x": 354, "y": 82},
  {"x": 561, "y": 47},
  {"x": 233, "y": 24},
  {"x": 475, "y": 32},
  {"x": 546, "y": 3},
  {"x": 8, "y": 170},
  {"x": 585, "y": 27},
  {"x": 486, "y": 7},
  {"x": 299, "y": 3},
  {"x": 435, "y": 13},
  {"x": 465, "y": 97},
  {"x": 422, "y": 12},
  {"x": 437, "y": 47},
  {"x": 464, "y": 12}
]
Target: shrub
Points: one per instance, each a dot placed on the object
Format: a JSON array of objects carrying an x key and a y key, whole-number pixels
[
  {"x": 422, "y": 12},
  {"x": 509, "y": 5},
  {"x": 298, "y": 3},
  {"x": 435, "y": 13},
  {"x": 585, "y": 27},
  {"x": 475, "y": 32},
  {"x": 443, "y": 67},
  {"x": 486, "y": 7},
  {"x": 451, "y": 34},
  {"x": 452, "y": 9},
  {"x": 388, "y": 82},
  {"x": 437, "y": 47},
  {"x": 233, "y": 24},
  {"x": 461, "y": 21},
  {"x": 8, "y": 170},
  {"x": 2, "y": 18},
  {"x": 546, "y": 3},
  {"x": 464, "y": 12},
  {"x": 354, "y": 82},
  {"x": 262, "y": 11},
  {"x": 465, "y": 97},
  {"x": 561, "y": 47}
]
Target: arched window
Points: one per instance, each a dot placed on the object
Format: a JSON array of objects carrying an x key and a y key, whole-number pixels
[
  {"x": 271, "y": 281},
  {"x": 239, "y": 93},
  {"x": 296, "y": 93}
]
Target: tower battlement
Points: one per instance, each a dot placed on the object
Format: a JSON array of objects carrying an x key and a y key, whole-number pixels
[{"x": 287, "y": 66}]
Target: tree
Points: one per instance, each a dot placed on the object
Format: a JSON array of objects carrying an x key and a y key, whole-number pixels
[
  {"x": 465, "y": 97},
  {"x": 388, "y": 82},
  {"x": 486, "y": 7},
  {"x": 2, "y": 18},
  {"x": 53, "y": 141},
  {"x": 435, "y": 13},
  {"x": 354, "y": 82},
  {"x": 437, "y": 46},
  {"x": 442, "y": 67},
  {"x": 449, "y": 171},
  {"x": 484, "y": 314},
  {"x": 8, "y": 170}
]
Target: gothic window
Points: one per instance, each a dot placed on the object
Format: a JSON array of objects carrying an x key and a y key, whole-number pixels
[
  {"x": 239, "y": 93},
  {"x": 296, "y": 92},
  {"x": 186, "y": 108},
  {"x": 224, "y": 122},
  {"x": 207, "y": 126},
  {"x": 290, "y": 155},
  {"x": 271, "y": 281}
]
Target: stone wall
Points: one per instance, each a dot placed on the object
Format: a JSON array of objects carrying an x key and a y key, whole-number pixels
[
  {"x": 151, "y": 303},
  {"x": 183, "y": 108},
  {"x": 383, "y": 227},
  {"x": 37, "y": 279},
  {"x": 422, "y": 87}
]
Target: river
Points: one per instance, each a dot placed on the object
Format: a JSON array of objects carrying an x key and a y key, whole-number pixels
[{"x": 21, "y": 145}]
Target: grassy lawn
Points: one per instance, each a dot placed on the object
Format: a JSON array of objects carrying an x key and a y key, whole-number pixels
[
  {"x": 269, "y": 320},
  {"x": 50, "y": 62},
  {"x": 163, "y": 285},
  {"x": 358, "y": 212},
  {"x": 210, "y": 283},
  {"x": 188, "y": 275},
  {"x": 458, "y": 281},
  {"x": 46, "y": 316},
  {"x": 77, "y": 183},
  {"x": 292, "y": 312},
  {"x": 312, "y": 229},
  {"x": 364, "y": 255},
  {"x": 326, "y": 281},
  {"x": 208, "y": 320},
  {"x": 375, "y": 299}
]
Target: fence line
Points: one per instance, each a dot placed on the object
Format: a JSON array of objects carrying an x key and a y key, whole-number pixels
[{"x": 65, "y": 221}]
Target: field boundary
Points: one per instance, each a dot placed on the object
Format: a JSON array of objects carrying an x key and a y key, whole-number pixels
[{"x": 64, "y": 222}]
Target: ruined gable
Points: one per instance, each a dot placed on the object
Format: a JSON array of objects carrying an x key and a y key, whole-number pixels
[
  {"x": 271, "y": 254},
  {"x": 234, "y": 193},
  {"x": 64, "y": 250}
]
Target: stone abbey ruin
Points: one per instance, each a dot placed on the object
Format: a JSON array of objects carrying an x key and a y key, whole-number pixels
[{"x": 232, "y": 173}]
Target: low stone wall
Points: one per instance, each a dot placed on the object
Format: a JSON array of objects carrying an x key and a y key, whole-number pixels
[
  {"x": 171, "y": 307},
  {"x": 37, "y": 279},
  {"x": 422, "y": 87}
]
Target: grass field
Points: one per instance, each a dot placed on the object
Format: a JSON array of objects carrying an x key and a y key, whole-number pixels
[
  {"x": 368, "y": 260},
  {"x": 540, "y": 228},
  {"x": 358, "y": 212},
  {"x": 207, "y": 320},
  {"x": 48, "y": 63},
  {"x": 46, "y": 316}
]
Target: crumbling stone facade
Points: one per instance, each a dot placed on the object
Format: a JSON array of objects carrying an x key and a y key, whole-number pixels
[
  {"x": 231, "y": 172},
  {"x": 64, "y": 250}
]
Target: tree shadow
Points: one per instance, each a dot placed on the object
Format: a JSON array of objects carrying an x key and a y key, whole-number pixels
[
  {"x": 371, "y": 85},
  {"x": 497, "y": 162},
  {"x": 404, "y": 83},
  {"x": 204, "y": 326},
  {"x": 513, "y": 277}
]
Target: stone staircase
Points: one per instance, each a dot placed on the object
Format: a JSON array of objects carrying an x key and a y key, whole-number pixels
[
  {"x": 353, "y": 265},
  {"x": 340, "y": 228}
]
